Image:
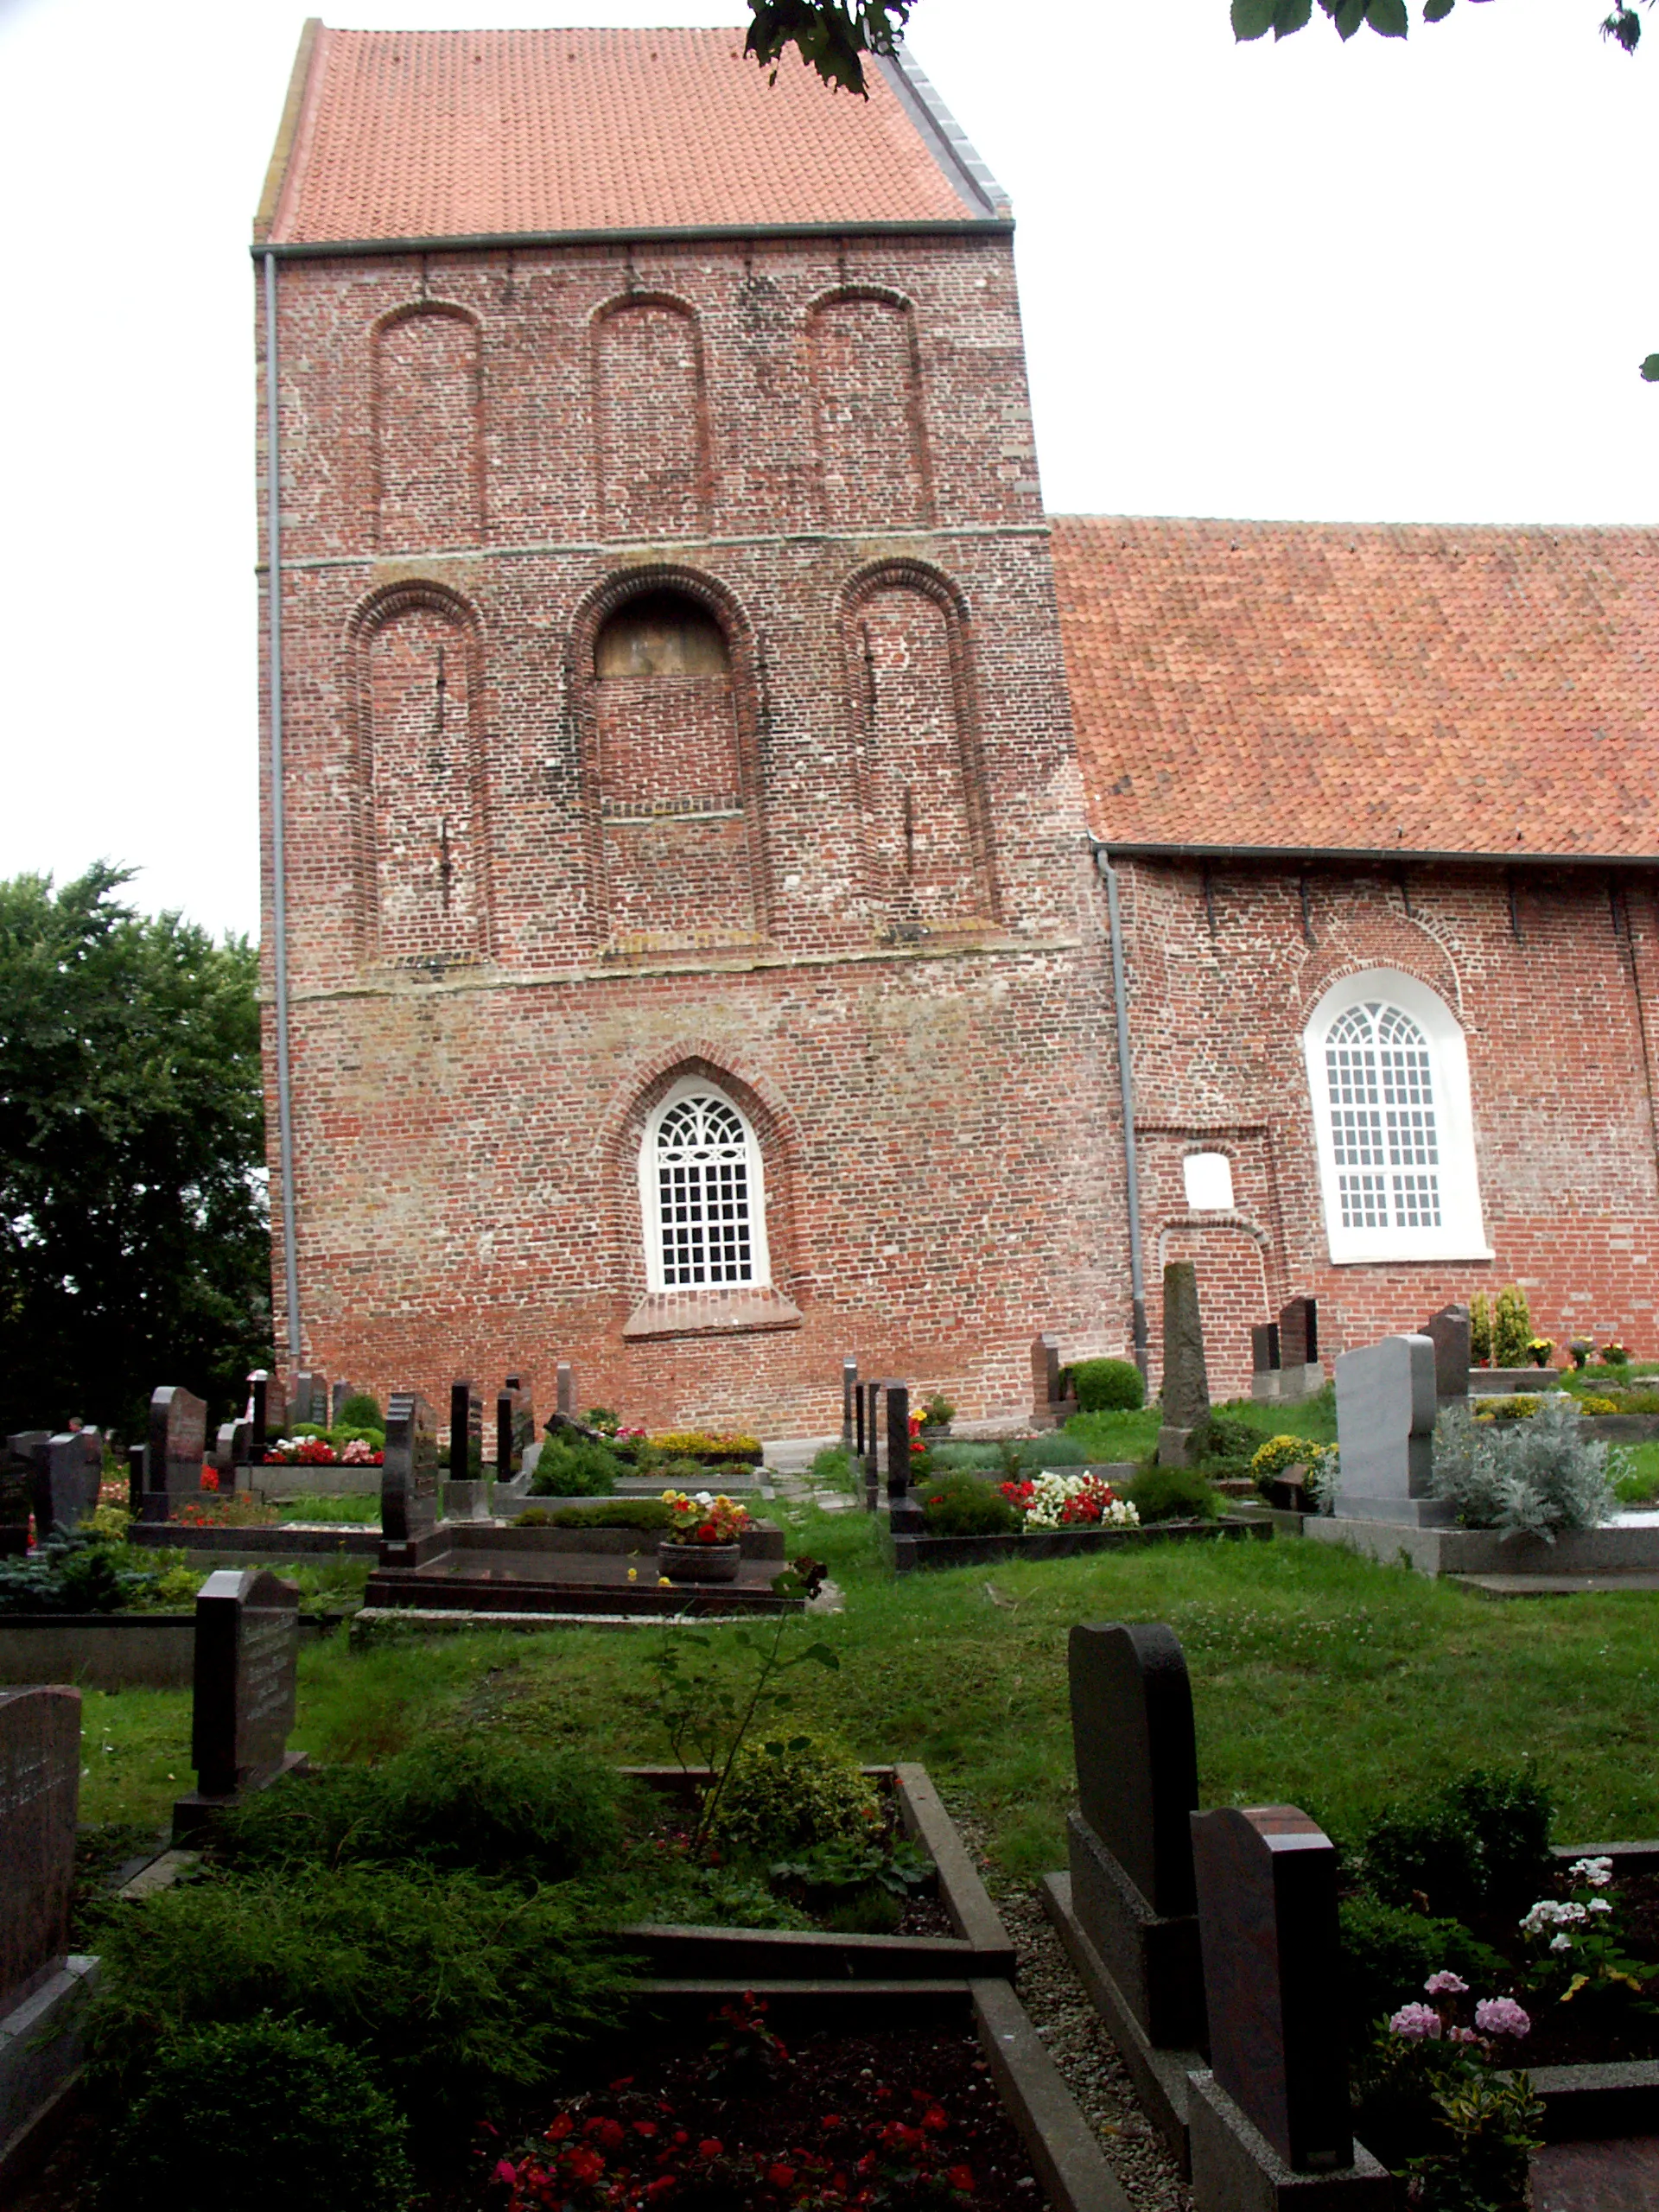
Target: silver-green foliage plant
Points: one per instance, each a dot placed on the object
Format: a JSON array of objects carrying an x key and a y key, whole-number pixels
[{"x": 1533, "y": 1478}]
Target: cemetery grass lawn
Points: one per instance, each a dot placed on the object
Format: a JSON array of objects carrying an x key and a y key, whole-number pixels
[{"x": 1319, "y": 1679}]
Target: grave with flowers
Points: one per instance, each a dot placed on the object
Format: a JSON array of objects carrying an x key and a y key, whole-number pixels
[{"x": 1456, "y": 1994}]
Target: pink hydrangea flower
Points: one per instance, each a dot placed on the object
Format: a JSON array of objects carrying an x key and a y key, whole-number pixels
[
  {"x": 1500, "y": 2015},
  {"x": 1446, "y": 1984},
  {"x": 1415, "y": 2022}
]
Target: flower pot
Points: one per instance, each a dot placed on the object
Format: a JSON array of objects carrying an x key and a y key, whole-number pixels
[
  {"x": 699, "y": 1562},
  {"x": 936, "y": 1431}
]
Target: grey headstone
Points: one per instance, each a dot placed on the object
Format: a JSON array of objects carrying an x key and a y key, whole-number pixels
[
  {"x": 67, "y": 1477},
  {"x": 1386, "y": 1407},
  {"x": 564, "y": 1400},
  {"x": 337, "y": 1397},
  {"x": 1266, "y": 1896},
  {"x": 409, "y": 1472},
  {"x": 178, "y": 1441},
  {"x": 1136, "y": 1756},
  {"x": 247, "y": 1649},
  {"x": 310, "y": 1400},
  {"x": 40, "y": 1787},
  {"x": 1186, "y": 1385},
  {"x": 1448, "y": 1331}
]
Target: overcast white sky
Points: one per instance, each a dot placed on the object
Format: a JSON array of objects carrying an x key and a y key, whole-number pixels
[{"x": 1384, "y": 282}]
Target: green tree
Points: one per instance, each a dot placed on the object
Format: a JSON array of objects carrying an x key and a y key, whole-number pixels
[{"x": 134, "y": 1248}]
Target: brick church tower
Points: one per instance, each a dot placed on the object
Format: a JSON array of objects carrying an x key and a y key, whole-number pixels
[{"x": 682, "y": 951}]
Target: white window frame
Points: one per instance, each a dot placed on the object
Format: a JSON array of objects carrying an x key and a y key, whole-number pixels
[
  {"x": 760, "y": 1275},
  {"x": 1461, "y": 1234}
]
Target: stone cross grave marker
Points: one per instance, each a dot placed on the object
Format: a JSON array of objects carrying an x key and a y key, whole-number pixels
[
  {"x": 1130, "y": 1841},
  {"x": 178, "y": 1442},
  {"x": 1186, "y": 1385},
  {"x": 67, "y": 1478},
  {"x": 40, "y": 1789},
  {"x": 409, "y": 1478},
  {"x": 1386, "y": 1406},
  {"x": 247, "y": 1650},
  {"x": 1266, "y": 1895},
  {"x": 1448, "y": 1331}
]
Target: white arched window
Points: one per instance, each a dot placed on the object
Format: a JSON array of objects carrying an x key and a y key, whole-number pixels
[
  {"x": 701, "y": 1193},
  {"x": 1389, "y": 1074}
]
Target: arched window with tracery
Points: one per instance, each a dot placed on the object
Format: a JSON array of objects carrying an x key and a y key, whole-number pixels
[
  {"x": 701, "y": 1193},
  {"x": 1388, "y": 1075}
]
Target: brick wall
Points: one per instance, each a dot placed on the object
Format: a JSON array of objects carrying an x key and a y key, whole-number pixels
[{"x": 840, "y": 870}]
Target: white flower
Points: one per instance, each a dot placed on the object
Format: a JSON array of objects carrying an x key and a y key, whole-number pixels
[
  {"x": 1560, "y": 1942},
  {"x": 1594, "y": 1873},
  {"x": 1550, "y": 1912},
  {"x": 1599, "y": 1904}
]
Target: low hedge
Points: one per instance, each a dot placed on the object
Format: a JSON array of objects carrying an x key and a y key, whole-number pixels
[{"x": 1105, "y": 1386}]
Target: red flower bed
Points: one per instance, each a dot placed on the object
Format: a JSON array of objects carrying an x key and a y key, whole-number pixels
[{"x": 746, "y": 2124}]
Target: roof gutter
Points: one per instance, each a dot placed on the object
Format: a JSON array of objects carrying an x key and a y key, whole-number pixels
[
  {"x": 1395, "y": 856},
  {"x": 679, "y": 234},
  {"x": 278, "y": 815}
]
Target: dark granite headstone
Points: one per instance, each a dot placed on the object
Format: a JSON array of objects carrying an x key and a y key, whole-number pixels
[
  {"x": 259, "y": 1413},
  {"x": 504, "y": 1459},
  {"x": 1264, "y": 1348},
  {"x": 872, "y": 1445},
  {"x": 1136, "y": 1757},
  {"x": 409, "y": 1473},
  {"x": 848, "y": 1393},
  {"x": 310, "y": 1398},
  {"x": 39, "y": 1786},
  {"x": 66, "y": 1479},
  {"x": 1448, "y": 1331},
  {"x": 904, "y": 1515},
  {"x": 178, "y": 1443},
  {"x": 30, "y": 1452},
  {"x": 1299, "y": 1333},
  {"x": 247, "y": 1648},
  {"x": 1267, "y": 1898},
  {"x": 135, "y": 1480},
  {"x": 337, "y": 1397}
]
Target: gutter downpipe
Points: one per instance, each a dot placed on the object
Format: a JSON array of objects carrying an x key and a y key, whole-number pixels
[
  {"x": 278, "y": 887},
  {"x": 1126, "y": 1092}
]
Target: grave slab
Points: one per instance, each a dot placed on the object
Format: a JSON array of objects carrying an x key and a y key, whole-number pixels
[{"x": 1236, "y": 2169}]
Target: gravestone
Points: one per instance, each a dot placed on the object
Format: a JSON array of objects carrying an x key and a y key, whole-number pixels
[
  {"x": 259, "y": 1413},
  {"x": 408, "y": 1479},
  {"x": 1049, "y": 1409},
  {"x": 66, "y": 1478},
  {"x": 310, "y": 1400},
  {"x": 872, "y": 1445},
  {"x": 135, "y": 1481},
  {"x": 904, "y": 1515},
  {"x": 42, "y": 1991},
  {"x": 178, "y": 1443},
  {"x": 848, "y": 1393},
  {"x": 247, "y": 1650},
  {"x": 1274, "y": 2103},
  {"x": 1264, "y": 1360},
  {"x": 463, "y": 1491},
  {"x": 564, "y": 1392},
  {"x": 27, "y": 1452},
  {"x": 1448, "y": 1331},
  {"x": 337, "y": 1397},
  {"x": 1300, "y": 1372},
  {"x": 1386, "y": 1406},
  {"x": 1187, "y": 1386},
  {"x": 40, "y": 1789}
]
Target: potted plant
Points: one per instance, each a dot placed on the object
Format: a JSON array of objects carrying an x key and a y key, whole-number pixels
[
  {"x": 1614, "y": 1355},
  {"x": 1539, "y": 1349},
  {"x": 1580, "y": 1348},
  {"x": 936, "y": 1416},
  {"x": 704, "y": 1544}
]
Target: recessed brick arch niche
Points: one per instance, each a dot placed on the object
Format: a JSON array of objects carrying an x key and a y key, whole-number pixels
[{"x": 664, "y": 674}]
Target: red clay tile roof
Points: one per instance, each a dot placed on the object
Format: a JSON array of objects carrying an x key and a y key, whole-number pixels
[
  {"x": 1401, "y": 690},
  {"x": 460, "y": 134}
]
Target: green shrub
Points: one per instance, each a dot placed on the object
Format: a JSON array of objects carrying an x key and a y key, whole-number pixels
[
  {"x": 361, "y": 1433},
  {"x": 788, "y": 1793},
  {"x": 571, "y": 1467},
  {"x": 458, "y": 1801},
  {"x": 267, "y": 2116},
  {"x": 361, "y": 1410},
  {"x": 1172, "y": 1494},
  {"x": 1480, "y": 1327},
  {"x": 832, "y": 1468},
  {"x": 1226, "y": 1440},
  {"x": 965, "y": 1505},
  {"x": 957, "y": 1458},
  {"x": 648, "y": 1513},
  {"x": 1512, "y": 1328},
  {"x": 1481, "y": 1844},
  {"x": 457, "y": 1991},
  {"x": 1056, "y": 1449},
  {"x": 1107, "y": 1386},
  {"x": 1389, "y": 1953}
]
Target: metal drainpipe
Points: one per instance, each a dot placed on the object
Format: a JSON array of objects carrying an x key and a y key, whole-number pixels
[
  {"x": 1126, "y": 1092},
  {"x": 278, "y": 887}
]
